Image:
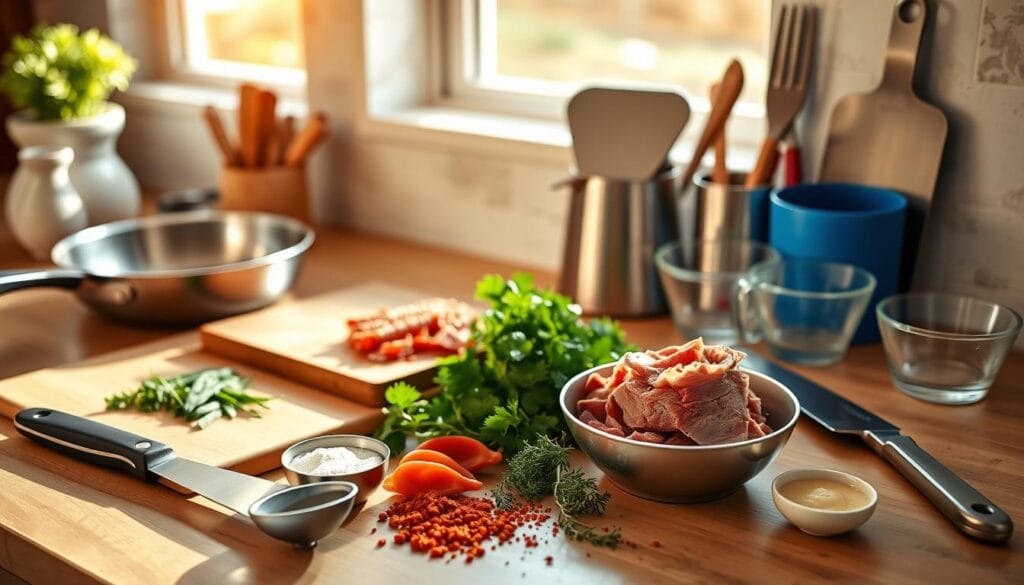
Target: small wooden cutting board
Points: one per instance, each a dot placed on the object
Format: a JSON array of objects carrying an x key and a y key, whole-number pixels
[
  {"x": 245, "y": 444},
  {"x": 306, "y": 341}
]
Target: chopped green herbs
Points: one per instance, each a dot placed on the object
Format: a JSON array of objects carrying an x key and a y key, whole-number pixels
[
  {"x": 542, "y": 468},
  {"x": 200, "y": 397},
  {"x": 505, "y": 389}
]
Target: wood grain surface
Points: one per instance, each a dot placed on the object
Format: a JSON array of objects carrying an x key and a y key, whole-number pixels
[
  {"x": 63, "y": 521},
  {"x": 306, "y": 341},
  {"x": 247, "y": 444}
]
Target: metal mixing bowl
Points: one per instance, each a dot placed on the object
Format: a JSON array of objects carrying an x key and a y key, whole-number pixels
[
  {"x": 683, "y": 474},
  {"x": 367, "y": 480}
]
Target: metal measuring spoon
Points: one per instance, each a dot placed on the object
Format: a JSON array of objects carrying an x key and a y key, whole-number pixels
[{"x": 301, "y": 515}]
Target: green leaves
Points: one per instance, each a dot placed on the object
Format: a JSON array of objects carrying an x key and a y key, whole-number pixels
[
  {"x": 202, "y": 397},
  {"x": 504, "y": 391},
  {"x": 402, "y": 395},
  {"x": 62, "y": 75}
]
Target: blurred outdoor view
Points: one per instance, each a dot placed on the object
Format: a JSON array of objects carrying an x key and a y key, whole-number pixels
[
  {"x": 260, "y": 32},
  {"x": 685, "y": 42}
]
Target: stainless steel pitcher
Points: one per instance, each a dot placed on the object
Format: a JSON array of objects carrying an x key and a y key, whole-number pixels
[{"x": 614, "y": 228}]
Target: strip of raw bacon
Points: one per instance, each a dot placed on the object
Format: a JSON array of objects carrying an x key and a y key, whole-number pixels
[{"x": 434, "y": 325}]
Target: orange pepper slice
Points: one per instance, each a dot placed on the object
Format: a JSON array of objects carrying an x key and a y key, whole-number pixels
[
  {"x": 436, "y": 457},
  {"x": 470, "y": 453},
  {"x": 415, "y": 477}
]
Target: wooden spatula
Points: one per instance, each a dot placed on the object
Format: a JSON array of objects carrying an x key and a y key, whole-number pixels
[
  {"x": 728, "y": 90},
  {"x": 889, "y": 137},
  {"x": 624, "y": 133}
]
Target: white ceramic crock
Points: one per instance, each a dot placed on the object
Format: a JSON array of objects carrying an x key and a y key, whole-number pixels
[
  {"x": 106, "y": 185},
  {"x": 41, "y": 205}
]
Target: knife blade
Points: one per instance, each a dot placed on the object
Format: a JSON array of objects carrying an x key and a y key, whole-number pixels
[
  {"x": 968, "y": 509},
  {"x": 820, "y": 404},
  {"x": 230, "y": 489}
]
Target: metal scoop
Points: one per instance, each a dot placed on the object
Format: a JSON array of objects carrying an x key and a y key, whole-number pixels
[{"x": 301, "y": 514}]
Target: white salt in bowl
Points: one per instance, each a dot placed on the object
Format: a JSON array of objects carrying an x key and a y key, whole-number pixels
[
  {"x": 367, "y": 480},
  {"x": 683, "y": 473}
]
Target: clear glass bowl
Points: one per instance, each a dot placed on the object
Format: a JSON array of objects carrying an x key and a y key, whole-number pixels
[
  {"x": 699, "y": 278},
  {"x": 807, "y": 310},
  {"x": 945, "y": 348}
]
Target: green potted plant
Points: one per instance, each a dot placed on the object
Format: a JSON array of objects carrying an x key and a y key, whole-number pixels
[{"x": 60, "y": 80}]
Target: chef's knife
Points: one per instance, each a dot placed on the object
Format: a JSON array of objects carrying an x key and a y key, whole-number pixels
[
  {"x": 970, "y": 511},
  {"x": 145, "y": 459}
]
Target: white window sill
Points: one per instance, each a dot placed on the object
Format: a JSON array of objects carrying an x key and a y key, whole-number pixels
[
  {"x": 540, "y": 140},
  {"x": 182, "y": 95},
  {"x": 527, "y": 138}
]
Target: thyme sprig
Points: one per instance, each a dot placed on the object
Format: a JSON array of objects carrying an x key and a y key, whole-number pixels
[{"x": 542, "y": 468}]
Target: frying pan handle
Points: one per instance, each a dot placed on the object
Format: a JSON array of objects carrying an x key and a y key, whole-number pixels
[
  {"x": 971, "y": 512},
  {"x": 91, "y": 441},
  {"x": 61, "y": 277}
]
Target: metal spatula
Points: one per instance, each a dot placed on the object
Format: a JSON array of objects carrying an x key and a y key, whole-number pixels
[
  {"x": 889, "y": 137},
  {"x": 624, "y": 133}
]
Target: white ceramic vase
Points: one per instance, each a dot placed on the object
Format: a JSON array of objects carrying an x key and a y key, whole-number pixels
[
  {"x": 105, "y": 183},
  {"x": 41, "y": 204}
]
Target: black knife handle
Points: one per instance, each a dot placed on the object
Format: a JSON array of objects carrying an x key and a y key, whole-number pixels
[
  {"x": 970, "y": 511},
  {"x": 91, "y": 441}
]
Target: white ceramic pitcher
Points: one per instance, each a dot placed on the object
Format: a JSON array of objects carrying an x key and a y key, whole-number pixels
[{"x": 41, "y": 205}]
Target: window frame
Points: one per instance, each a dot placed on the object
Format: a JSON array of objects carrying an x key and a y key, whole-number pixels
[
  {"x": 176, "y": 65},
  {"x": 456, "y": 26}
]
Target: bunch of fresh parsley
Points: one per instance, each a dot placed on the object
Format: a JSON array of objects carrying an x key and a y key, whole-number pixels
[{"x": 504, "y": 389}]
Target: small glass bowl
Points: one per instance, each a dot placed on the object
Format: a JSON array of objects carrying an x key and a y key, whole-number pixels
[
  {"x": 699, "y": 279},
  {"x": 945, "y": 348}
]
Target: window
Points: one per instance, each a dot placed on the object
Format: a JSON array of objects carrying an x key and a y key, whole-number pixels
[
  {"x": 527, "y": 56},
  {"x": 259, "y": 40}
]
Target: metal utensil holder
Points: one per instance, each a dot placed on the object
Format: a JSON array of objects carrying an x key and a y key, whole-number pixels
[
  {"x": 614, "y": 228},
  {"x": 724, "y": 212},
  {"x": 717, "y": 212}
]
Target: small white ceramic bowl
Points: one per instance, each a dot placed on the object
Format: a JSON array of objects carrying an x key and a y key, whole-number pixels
[{"x": 816, "y": 521}]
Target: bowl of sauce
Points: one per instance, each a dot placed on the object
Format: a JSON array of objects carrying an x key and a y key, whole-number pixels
[{"x": 823, "y": 502}]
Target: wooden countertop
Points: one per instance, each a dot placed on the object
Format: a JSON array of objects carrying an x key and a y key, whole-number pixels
[{"x": 63, "y": 521}]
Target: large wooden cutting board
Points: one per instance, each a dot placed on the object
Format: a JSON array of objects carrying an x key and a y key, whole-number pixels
[
  {"x": 306, "y": 341},
  {"x": 245, "y": 444}
]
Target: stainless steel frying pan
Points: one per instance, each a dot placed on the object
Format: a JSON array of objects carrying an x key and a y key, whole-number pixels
[{"x": 176, "y": 268}]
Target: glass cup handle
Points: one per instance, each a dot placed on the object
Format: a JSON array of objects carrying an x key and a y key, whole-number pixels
[{"x": 743, "y": 313}]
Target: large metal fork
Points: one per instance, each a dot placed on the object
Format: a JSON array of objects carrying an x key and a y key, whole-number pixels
[{"x": 787, "y": 83}]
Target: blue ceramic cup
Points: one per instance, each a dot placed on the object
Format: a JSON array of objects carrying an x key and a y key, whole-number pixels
[{"x": 837, "y": 222}]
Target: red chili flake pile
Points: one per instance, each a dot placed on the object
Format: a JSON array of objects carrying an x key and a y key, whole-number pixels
[{"x": 440, "y": 525}]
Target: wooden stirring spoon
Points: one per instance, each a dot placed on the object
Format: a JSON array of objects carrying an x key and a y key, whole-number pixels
[
  {"x": 720, "y": 172},
  {"x": 729, "y": 89}
]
